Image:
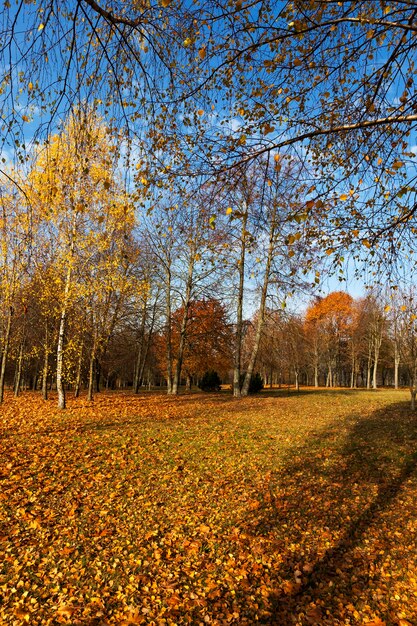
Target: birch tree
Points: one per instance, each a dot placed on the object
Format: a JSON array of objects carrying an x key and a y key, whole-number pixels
[
  {"x": 17, "y": 230},
  {"x": 72, "y": 185}
]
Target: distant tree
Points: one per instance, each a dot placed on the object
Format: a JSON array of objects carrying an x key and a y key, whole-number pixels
[
  {"x": 333, "y": 314},
  {"x": 186, "y": 244},
  {"x": 208, "y": 338},
  {"x": 407, "y": 323}
]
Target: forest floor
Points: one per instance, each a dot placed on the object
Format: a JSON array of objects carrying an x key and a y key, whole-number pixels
[{"x": 291, "y": 509}]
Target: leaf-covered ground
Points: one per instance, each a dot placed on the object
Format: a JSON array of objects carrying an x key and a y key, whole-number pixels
[{"x": 284, "y": 510}]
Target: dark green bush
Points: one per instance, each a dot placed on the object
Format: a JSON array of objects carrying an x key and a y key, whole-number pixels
[
  {"x": 256, "y": 383},
  {"x": 210, "y": 381}
]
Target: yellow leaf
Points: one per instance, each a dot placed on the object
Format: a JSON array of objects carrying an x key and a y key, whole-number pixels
[
  {"x": 290, "y": 589},
  {"x": 397, "y": 164},
  {"x": 203, "y": 528},
  {"x": 200, "y": 112},
  {"x": 65, "y": 610},
  {"x": 165, "y": 3},
  {"x": 366, "y": 243},
  {"x": 343, "y": 197},
  {"x": 21, "y": 614},
  {"x": 229, "y": 210},
  {"x": 41, "y": 27},
  {"x": 187, "y": 42},
  {"x": 387, "y": 308},
  {"x": 202, "y": 53}
]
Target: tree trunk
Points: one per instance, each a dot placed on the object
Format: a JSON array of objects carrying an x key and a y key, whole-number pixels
[
  {"x": 5, "y": 352},
  {"x": 60, "y": 359},
  {"x": 262, "y": 305},
  {"x": 78, "y": 378},
  {"x": 34, "y": 380},
  {"x": 239, "y": 310},
  {"x": 45, "y": 365},
  {"x": 316, "y": 375},
  {"x": 62, "y": 328},
  {"x": 369, "y": 367},
  {"x": 168, "y": 314},
  {"x": 137, "y": 379},
  {"x": 184, "y": 323},
  {"x": 90, "y": 392},
  {"x": 97, "y": 371},
  {"x": 376, "y": 357},
  {"x": 396, "y": 364},
  {"x": 329, "y": 377},
  {"x": 187, "y": 382},
  {"x": 353, "y": 373},
  {"x": 18, "y": 376},
  {"x": 148, "y": 342}
]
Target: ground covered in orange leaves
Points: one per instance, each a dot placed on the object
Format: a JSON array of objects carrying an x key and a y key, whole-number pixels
[{"x": 293, "y": 509}]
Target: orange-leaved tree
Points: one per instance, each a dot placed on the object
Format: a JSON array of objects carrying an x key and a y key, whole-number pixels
[
  {"x": 328, "y": 321},
  {"x": 208, "y": 339}
]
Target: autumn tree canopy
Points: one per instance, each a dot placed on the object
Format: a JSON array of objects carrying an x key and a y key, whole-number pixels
[{"x": 204, "y": 87}]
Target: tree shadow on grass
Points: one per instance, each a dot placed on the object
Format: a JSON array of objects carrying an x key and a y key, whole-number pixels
[{"x": 342, "y": 516}]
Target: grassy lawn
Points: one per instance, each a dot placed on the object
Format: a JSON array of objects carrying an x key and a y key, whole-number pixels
[{"x": 277, "y": 509}]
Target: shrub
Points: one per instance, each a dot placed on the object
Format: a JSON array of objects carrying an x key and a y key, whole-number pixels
[
  {"x": 210, "y": 381},
  {"x": 256, "y": 383}
]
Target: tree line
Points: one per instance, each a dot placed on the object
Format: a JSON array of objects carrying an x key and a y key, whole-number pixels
[
  {"x": 82, "y": 248},
  {"x": 96, "y": 291}
]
